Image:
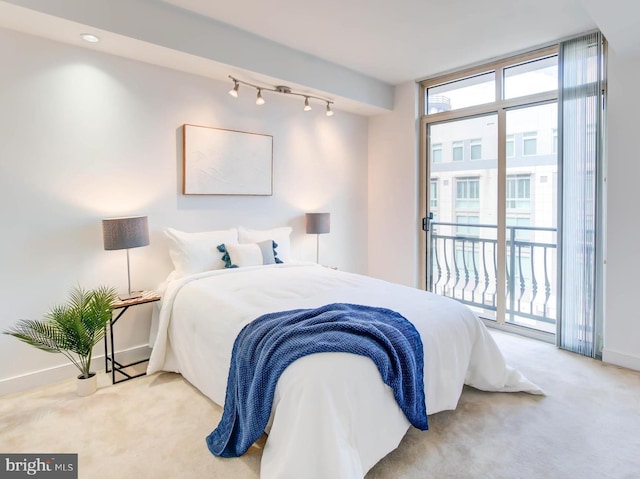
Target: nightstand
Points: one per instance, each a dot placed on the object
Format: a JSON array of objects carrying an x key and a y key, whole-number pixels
[{"x": 110, "y": 364}]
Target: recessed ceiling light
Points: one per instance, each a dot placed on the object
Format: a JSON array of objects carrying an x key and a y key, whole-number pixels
[{"x": 90, "y": 38}]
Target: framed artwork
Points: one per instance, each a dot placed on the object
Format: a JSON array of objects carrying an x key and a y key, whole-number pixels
[{"x": 226, "y": 162}]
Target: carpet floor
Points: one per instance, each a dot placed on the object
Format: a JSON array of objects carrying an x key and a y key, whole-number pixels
[{"x": 587, "y": 426}]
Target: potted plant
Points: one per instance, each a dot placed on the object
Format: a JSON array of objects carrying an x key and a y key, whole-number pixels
[{"x": 72, "y": 329}]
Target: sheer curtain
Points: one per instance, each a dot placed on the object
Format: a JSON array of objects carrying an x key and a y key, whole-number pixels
[{"x": 581, "y": 104}]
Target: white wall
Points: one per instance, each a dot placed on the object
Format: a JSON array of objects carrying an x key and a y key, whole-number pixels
[
  {"x": 85, "y": 136},
  {"x": 394, "y": 190},
  {"x": 622, "y": 319}
]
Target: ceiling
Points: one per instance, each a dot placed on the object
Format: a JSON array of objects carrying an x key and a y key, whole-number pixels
[
  {"x": 351, "y": 50},
  {"x": 402, "y": 40}
]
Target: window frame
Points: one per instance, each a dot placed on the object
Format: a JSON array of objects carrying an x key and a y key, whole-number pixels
[
  {"x": 442, "y": 103},
  {"x": 499, "y": 107},
  {"x": 506, "y": 76},
  {"x": 497, "y": 67}
]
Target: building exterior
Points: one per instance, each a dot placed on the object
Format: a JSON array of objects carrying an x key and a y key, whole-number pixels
[{"x": 464, "y": 193}]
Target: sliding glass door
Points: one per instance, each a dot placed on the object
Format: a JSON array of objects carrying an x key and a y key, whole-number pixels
[
  {"x": 491, "y": 189},
  {"x": 463, "y": 205}
]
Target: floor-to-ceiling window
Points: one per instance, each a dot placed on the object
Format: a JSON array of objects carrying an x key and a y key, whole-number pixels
[
  {"x": 513, "y": 169},
  {"x": 491, "y": 174}
]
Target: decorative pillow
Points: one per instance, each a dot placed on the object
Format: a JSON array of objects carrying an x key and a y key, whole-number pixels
[
  {"x": 249, "y": 254},
  {"x": 197, "y": 252},
  {"x": 279, "y": 235}
]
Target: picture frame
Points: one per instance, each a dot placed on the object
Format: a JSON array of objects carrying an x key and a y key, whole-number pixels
[{"x": 218, "y": 161}]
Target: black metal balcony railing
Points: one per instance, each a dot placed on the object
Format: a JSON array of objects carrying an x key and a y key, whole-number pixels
[{"x": 464, "y": 267}]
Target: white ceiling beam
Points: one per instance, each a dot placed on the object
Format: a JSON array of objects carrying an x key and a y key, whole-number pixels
[{"x": 162, "y": 24}]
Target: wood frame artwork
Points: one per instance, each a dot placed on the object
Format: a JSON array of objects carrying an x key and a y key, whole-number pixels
[{"x": 217, "y": 161}]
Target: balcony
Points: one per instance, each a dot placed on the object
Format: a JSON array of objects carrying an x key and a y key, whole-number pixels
[
  {"x": 438, "y": 103},
  {"x": 463, "y": 265}
]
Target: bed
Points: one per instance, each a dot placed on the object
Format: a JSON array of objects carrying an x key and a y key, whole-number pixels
[{"x": 332, "y": 416}]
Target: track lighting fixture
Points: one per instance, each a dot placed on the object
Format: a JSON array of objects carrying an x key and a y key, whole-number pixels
[
  {"x": 278, "y": 89},
  {"x": 234, "y": 91},
  {"x": 329, "y": 110}
]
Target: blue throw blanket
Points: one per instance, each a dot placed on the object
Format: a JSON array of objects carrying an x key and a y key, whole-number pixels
[{"x": 266, "y": 346}]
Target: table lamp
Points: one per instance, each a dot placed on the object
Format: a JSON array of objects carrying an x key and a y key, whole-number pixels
[
  {"x": 126, "y": 233},
  {"x": 317, "y": 224}
]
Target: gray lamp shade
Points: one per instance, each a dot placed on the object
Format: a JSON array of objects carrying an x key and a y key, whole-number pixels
[
  {"x": 125, "y": 233},
  {"x": 318, "y": 223}
]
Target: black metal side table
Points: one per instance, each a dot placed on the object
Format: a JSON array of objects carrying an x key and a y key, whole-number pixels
[{"x": 110, "y": 364}]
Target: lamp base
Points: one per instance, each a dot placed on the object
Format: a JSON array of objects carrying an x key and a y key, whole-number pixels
[{"x": 131, "y": 295}]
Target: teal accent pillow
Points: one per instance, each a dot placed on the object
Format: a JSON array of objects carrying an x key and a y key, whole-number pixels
[
  {"x": 225, "y": 257},
  {"x": 250, "y": 254}
]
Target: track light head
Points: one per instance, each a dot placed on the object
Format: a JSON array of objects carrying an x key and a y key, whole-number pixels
[
  {"x": 329, "y": 111},
  {"x": 307, "y": 107},
  {"x": 259, "y": 99},
  {"x": 234, "y": 91}
]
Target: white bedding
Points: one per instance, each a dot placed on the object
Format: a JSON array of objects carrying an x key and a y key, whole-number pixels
[{"x": 332, "y": 415}]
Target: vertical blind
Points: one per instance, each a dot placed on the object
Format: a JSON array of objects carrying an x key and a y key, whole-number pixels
[{"x": 580, "y": 119}]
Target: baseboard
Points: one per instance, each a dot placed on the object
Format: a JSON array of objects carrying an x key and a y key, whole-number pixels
[
  {"x": 66, "y": 371},
  {"x": 621, "y": 359}
]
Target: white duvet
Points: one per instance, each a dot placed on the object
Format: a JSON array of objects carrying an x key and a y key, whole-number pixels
[{"x": 332, "y": 415}]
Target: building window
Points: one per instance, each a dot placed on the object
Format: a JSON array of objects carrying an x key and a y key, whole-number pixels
[
  {"x": 458, "y": 151},
  {"x": 555, "y": 140},
  {"x": 519, "y": 192},
  {"x": 468, "y": 193},
  {"x": 476, "y": 149},
  {"x": 433, "y": 193},
  {"x": 436, "y": 153},
  {"x": 530, "y": 143},
  {"x": 514, "y": 225},
  {"x": 511, "y": 146},
  {"x": 464, "y": 226}
]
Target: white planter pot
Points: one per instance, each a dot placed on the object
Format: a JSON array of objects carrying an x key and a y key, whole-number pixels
[{"x": 87, "y": 386}]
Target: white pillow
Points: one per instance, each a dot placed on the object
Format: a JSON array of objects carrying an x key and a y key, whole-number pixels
[
  {"x": 279, "y": 235},
  {"x": 197, "y": 252},
  {"x": 250, "y": 254}
]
